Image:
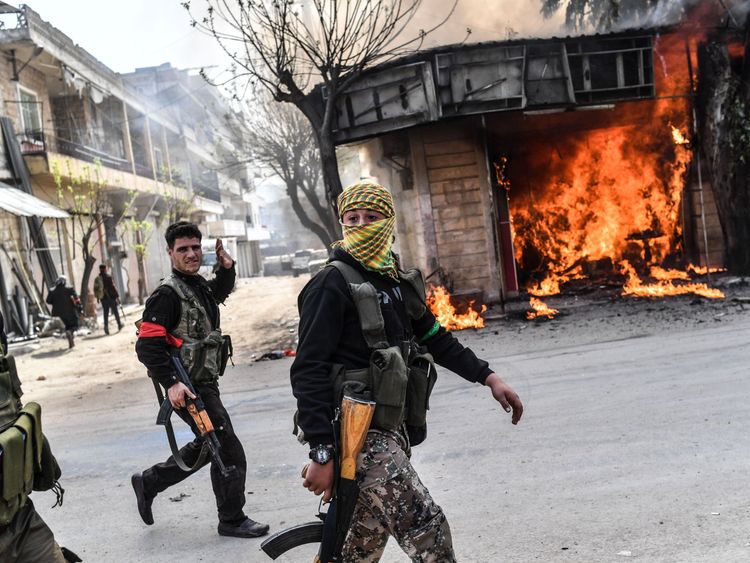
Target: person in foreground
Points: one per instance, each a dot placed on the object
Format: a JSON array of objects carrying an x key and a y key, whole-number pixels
[
  {"x": 338, "y": 349},
  {"x": 184, "y": 311},
  {"x": 26, "y": 464}
]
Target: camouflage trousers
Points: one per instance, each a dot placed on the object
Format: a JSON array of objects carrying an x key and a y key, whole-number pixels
[{"x": 394, "y": 502}]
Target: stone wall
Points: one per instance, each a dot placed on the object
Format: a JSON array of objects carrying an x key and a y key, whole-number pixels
[{"x": 450, "y": 171}]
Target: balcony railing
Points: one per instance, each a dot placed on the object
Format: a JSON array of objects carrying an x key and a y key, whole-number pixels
[
  {"x": 91, "y": 154},
  {"x": 143, "y": 170},
  {"x": 32, "y": 142}
]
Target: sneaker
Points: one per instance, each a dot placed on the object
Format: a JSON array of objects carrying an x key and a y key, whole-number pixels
[
  {"x": 144, "y": 500},
  {"x": 246, "y": 529}
]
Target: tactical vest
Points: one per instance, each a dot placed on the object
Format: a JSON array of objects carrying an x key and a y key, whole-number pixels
[
  {"x": 204, "y": 351},
  {"x": 20, "y": 442},
  {"x": 399, "y": 378}
]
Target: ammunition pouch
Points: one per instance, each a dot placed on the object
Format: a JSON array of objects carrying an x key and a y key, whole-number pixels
[
  {"x": 10, "y": 392},
  {"x": 422, "y": 378},
  {"x": 399, "y": 379},
  {"x": 204, "y": 359},
  {"x": 401, "y": 391},
  {"x": 227, "y": 351},
  {"x": 388, "y": 380},
  {"x": 22, "y": 446}
]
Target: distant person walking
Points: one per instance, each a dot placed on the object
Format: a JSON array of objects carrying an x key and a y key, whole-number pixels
[
  {"x": 106, "y": 292},
  {"x": 66, "y": 305}
]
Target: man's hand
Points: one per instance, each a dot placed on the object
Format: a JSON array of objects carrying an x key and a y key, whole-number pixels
[
  {"x": 319, "y": 479},
  {"x": 176, "y": 394},
  {"x": 223, "y": 256},
  {"x": 505, "y": 396}
]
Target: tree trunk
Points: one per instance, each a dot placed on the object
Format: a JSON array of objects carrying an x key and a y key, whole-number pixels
[
  {"x": 299, "y": 211},
  {"x": 310, "y": 106},
  {"x": 88, "y": 266},
  {"x": 330, "y": 165},
  {"x": 720, "y": 94},
  {"x": 139, "y": 253}
]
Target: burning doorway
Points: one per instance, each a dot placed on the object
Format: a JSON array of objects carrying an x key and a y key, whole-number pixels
[{"x": 598, "y": 196}]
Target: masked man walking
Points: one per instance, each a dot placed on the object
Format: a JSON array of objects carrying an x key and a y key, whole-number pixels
[{"x": 383, "y": 343}]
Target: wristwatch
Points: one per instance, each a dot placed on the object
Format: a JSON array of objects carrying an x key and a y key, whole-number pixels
[{"x": 321, "y": 454}]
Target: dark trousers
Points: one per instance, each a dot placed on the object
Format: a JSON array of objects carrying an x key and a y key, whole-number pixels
[
  {"x": 229, "y": 491},
  {"x": 107, "y": 304},
  {"x": 28, "y": 539}
]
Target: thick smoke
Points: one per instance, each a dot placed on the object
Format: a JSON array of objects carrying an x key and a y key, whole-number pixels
[
  {"x": 509, "y": 19},
  {"x": 670, "y": 12},
  {"x": 496, "y": 20}
]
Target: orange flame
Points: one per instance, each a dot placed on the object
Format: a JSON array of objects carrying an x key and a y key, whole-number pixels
[
  {"x": 664, "y": 286},
  {"x": 540, "y": 309},
  {"x": 703, "y": 270},
  {"x": 612, "y": 194},
  {"x": 439, "y": 302},
  {"x": 678, "y": 137},
  {"x": 548, "y": 286}
]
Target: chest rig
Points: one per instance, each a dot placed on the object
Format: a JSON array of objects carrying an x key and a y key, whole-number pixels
[
  {"x": 204, "y": 350},
  {"x": 399, "y": 378},
  {"x": 20, "y": 440}
]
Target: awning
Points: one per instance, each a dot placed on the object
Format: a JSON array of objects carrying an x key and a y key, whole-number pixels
[{"x": 20, "y": 203}]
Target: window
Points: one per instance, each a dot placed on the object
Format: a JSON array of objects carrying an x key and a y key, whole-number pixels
[{"x": 31, "y": 119}]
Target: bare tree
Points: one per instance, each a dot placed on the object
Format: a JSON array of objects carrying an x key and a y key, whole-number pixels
[
  {"x": 283, "y": 141},
  {"x": 286, "y": 46},
  {"x": 87, "y": 199}
]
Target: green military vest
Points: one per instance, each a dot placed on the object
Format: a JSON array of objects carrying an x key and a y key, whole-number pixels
[
  {"x": 20, "y": 442},
  {"x": 202, "y": 349},
  {"x": 399, "y": 378}
]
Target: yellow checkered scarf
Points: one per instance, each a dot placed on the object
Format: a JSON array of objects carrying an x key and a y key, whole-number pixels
[{"x": 369, "y": 244}]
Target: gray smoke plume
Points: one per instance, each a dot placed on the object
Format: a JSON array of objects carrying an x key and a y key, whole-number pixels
[
  {"x": 671, "y": 12},
  {"x": 488, "y": 20}
]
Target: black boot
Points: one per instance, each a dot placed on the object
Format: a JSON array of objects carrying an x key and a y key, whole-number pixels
[
  {"x": 71, "y": 338},
  {"x": 143, "y": 498},
  {"x": 246, "y": 529}
]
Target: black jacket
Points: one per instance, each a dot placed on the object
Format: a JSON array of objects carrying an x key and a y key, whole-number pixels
[
  {"x": 163, "y": 307},
  {"x": 330, "y": 333},
  {"x": 62, "y": 300}
]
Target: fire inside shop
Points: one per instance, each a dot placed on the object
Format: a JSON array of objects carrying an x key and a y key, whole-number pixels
[{"x": 594, "y": 173}]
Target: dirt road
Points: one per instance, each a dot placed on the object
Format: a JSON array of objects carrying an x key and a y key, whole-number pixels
[
  {"x": 261, "y": 315},
  {"x": 633, "y": 444}
]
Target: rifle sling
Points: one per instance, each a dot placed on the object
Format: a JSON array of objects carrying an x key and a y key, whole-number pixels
[{"x": 173, "y": 441}]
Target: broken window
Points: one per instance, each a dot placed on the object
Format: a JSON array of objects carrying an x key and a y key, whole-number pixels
[{"x": 609, "y": 70}]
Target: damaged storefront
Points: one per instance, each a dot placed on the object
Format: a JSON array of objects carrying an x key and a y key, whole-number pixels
[{"x": 542, "y": 165}]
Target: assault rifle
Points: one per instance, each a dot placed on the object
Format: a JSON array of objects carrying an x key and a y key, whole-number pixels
[
  {"x": 331, "y": 530},
  {"x": 197, "y": 411}
]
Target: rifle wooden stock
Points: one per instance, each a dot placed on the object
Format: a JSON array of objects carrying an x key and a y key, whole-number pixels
[
  {"x": 356, "y": 416},
  {"x": 197, "y": 411}
]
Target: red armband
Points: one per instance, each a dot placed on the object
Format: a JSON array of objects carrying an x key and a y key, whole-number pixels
[{"x": 153, "y": 330}]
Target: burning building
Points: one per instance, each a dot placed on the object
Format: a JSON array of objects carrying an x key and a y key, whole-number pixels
[{"x": 541, "y": 164}]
